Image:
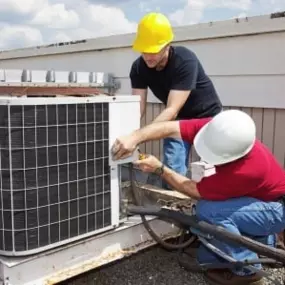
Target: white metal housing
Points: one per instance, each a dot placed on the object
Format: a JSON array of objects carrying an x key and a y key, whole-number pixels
[{"x": 123, "y": 117}]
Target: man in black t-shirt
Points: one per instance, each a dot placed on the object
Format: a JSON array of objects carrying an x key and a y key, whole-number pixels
[{"x": 176, "y": 77}]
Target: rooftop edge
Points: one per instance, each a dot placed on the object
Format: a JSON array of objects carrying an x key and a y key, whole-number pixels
[{"x": 269, "y": 23}]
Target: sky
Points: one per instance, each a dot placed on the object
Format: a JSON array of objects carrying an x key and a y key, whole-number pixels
[{"x": 25, "y": 23}]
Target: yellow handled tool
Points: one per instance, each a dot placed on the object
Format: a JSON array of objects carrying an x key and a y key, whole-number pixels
[{"x": 141, "y": 155}]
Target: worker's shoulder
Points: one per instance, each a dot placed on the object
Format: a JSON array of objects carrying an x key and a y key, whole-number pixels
[
  {"x": 138, "y": 65},
  {"x": 183, "y": 53},
  {"x": 137, "y": 62}
]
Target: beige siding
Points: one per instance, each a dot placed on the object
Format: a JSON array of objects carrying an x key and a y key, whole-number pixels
[
  {"x": 269, "y": 124},
  {"x": 237, "y": 55}
]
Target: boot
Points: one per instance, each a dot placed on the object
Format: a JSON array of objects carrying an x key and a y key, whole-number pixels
[
  {"x": 280, "y": 241},
  {"x": 280, "y": 245},
  {"x": 226, "y": 277},
  {"x": 190, "y": 263},
  {"x": 188, "y": 258}
]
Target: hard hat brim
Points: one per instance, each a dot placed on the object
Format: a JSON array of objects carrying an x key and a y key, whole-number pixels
[
  {"x": 148, "y": 49},
  {"x": 207, "y": 155}
]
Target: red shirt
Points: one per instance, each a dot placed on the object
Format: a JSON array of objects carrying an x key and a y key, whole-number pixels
[{"x": 257, "y": 175}]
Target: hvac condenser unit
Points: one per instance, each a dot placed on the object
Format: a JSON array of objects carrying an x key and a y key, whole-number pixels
[{"x": 58, "y": 180}]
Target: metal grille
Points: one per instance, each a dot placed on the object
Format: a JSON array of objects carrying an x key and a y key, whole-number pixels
[{"x": 55, "y": 175}]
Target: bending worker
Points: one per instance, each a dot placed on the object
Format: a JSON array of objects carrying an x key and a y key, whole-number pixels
[
  {"x": 176, "y": 77},
  {"x": 243, "y": 195}
]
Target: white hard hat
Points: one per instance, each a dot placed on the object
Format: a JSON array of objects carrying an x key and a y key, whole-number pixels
[{"x": 229, "y": 136}]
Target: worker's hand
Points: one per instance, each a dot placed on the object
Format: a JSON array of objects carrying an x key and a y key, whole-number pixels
[
  {"x": 123, "y": 147},
  {"x": 148, "y": 164}
]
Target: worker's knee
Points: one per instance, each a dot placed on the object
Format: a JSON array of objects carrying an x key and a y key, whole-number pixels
[
  {"x": 220, "y": 210},
  {"x": 205, "y": 210},
  {"x": 249, "y": 215}
]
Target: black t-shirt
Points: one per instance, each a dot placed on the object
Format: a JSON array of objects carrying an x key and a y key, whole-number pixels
[{"x": 182, "y": 72}]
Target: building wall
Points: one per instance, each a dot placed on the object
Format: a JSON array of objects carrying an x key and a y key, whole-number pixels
[
  {"x": 245, "y": 59},
  {"x": 247, "y": 71}
]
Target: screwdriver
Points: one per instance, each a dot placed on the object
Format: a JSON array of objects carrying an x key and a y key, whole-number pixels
[{"x": 141, "y": 155}]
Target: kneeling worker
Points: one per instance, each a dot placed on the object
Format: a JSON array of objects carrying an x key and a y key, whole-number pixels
[{"x": 244, "y": 195}]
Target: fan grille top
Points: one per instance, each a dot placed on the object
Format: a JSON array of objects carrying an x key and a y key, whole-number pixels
[{"x": 55, "y": 175}]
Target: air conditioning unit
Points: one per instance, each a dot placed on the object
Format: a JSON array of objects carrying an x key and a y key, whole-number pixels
[{"x": 58, "y": 180}]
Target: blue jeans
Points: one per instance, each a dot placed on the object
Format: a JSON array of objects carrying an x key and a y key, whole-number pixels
[
  {"x": 247, "y": 216},
  {"x": 176, "y": 156}
]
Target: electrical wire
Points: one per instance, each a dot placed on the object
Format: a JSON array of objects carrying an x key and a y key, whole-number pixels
[{"x": 158, "y": 239}]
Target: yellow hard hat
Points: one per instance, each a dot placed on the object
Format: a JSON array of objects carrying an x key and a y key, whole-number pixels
[{"x": 153, "y": 33}]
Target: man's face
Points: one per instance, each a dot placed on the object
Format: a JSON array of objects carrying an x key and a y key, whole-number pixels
[{"x": 153, "y": 60}]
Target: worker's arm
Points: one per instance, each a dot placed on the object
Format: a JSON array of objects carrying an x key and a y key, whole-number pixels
[
  {"x": 175, "y": 102},
  {"x": 157, "y": 131},
  {"x": 183, "y": 82},
  {"x": 124, "y": 146},
  {"x": 185, "y": 129},
  {"x": 143, "y": 94},
  {"x": 181, "y": 183},
  {"x": 177, "y": 181},
  {"x": 139, "y": 86}
]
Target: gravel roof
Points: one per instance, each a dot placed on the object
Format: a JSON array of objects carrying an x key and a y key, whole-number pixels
[{"x": 154, "y": 266}]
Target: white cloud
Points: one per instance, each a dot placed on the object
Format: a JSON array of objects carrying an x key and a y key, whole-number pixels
[
  {"x": 271, "y": 5},
  {"x": 146, "y": 6},
  {"x": 97, "y": 21},
  {"x": 11, "y": 35},
  {"x": 241, "y": 15},
  {"x": 233, "y": 4},
  {"x": 61, "y": 37},
  {"x": 34, "y": 22},
  {"x": 108, "y": 20},
  {"x": 56, "y": 16},
  {"x": 22, "y": 6},
  {"x": 46, "y": 21},
  {"x": 190, "y": 14},
  {"x": 193, "y": 10}
]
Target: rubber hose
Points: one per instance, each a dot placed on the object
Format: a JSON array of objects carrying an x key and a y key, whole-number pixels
[{"x": 164, "y": 244}]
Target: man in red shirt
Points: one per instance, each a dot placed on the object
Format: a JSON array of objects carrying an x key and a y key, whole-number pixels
[{"x": 243, "y": 195}]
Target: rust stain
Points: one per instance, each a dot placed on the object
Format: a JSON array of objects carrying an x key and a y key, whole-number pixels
[
  {"x": 103, "y": 259},
  {"x": 50, "y": 91}
]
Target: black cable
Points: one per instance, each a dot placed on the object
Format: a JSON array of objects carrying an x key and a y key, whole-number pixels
[{"x": 159, "y": 240}]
